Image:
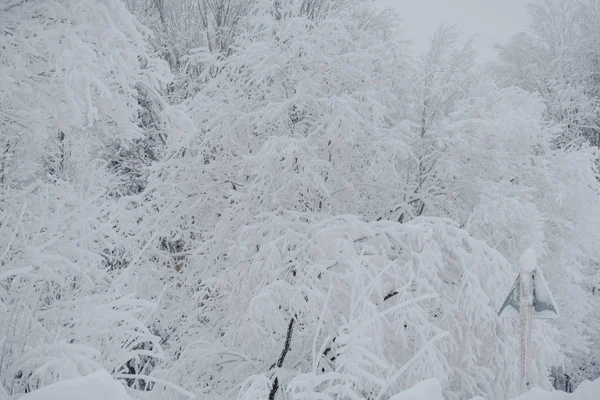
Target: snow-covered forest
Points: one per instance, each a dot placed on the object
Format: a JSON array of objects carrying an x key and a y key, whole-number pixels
[{"x": 279, "y": 199}]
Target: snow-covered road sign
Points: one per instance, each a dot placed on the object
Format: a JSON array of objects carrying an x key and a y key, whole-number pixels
[
  {"x": 529, "y": 298},
  {"x": 544, "y": 306}
]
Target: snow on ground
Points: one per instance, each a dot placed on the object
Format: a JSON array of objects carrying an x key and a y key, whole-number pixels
[
  {"x": 585, "y": 391},
  {"x": 429, "y": 389},
  {"x": 95, "y": 386},
  {"x": 101, "y": 386}
]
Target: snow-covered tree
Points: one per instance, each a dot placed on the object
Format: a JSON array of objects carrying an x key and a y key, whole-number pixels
[
  {"x": 298, "y": 130},
  {"x": 72, "y": 74},
  {"x": 440, "y": 78},
  {"x": 298, "y": 210},
  {"x": 511, "y": 187},
  {"x": 363, "y": 308},
  {"x": 558, "y": 60}
]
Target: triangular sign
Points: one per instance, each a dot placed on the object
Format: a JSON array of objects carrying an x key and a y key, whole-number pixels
[
  {"x": 511, "y": 306},
  {"x": 543, "y": 303}
]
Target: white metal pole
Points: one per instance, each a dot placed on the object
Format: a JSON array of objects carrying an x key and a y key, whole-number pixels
[{"x": 526, "y": 312}]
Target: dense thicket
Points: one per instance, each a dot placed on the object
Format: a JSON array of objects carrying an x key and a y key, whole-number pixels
[{"x": 273, "y": 199}]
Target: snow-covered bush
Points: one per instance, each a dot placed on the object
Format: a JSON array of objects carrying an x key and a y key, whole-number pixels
[{"x": 71, "y": 74}]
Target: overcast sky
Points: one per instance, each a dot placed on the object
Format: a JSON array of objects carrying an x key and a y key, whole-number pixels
[{"x": 492, "y": 20}]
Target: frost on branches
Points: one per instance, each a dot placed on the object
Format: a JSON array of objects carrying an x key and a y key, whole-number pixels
[
  {"x": 558, "y": 60},
  {"x": 341, "y": 307},
  {"x": 510, "y": 186},
  {"x": 71, "y": 73},
  {"x": 318, "y": 217}
]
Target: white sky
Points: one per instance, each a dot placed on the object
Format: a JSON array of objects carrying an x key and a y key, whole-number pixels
[{"x": 491, "y": 20}]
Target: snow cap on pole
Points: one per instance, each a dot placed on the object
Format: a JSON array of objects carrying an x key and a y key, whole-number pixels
[
  {"x": 543, "y": 303},
  {"x": 528, "y": 261}
]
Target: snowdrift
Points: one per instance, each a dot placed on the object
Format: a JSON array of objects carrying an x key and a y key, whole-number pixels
[
  {"x": 429, "y": 389},
  {"x": 95, "y": 386},
  {"x": 101, "y": 386},
  {"x": 585, "y": 391}
]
